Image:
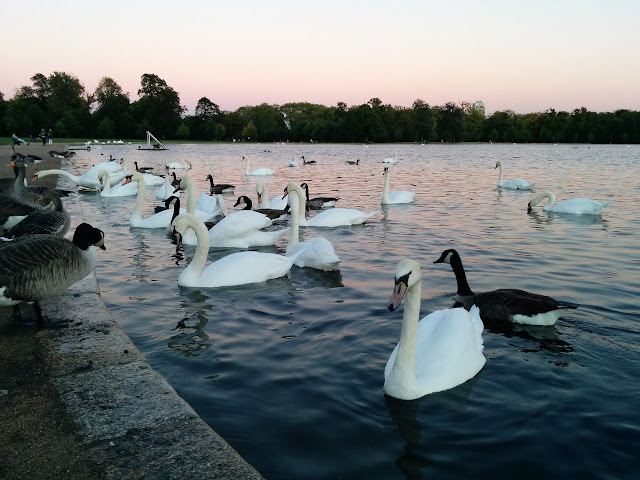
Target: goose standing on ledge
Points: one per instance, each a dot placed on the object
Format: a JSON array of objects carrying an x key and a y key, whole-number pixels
[
  {"x": 514, "y": 183},
  {"x": 39, "y": 222},
  {"x": 505, "y": 304},
  {"x": 400, "y": 196},
  {"x": 576, "y": 206},
  {"x": 37, "y": 267},
  {"x": 235, "y": 269},
  {"x": 437, "y": 353},
  {"x": 258, "y": 172}
]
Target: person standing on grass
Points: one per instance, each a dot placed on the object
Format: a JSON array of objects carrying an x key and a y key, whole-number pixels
[{"x": 43, "y": 136}]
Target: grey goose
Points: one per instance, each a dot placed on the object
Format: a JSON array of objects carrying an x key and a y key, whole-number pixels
[
  {"x": 40, "y": 222},
  {"x": 37, "y": 267}
]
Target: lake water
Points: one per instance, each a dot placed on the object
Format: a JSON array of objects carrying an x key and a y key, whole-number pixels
[{"x": 290, "y": 371}]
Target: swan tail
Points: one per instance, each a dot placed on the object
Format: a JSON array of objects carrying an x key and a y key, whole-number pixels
[{"x": 478, "y": 326}]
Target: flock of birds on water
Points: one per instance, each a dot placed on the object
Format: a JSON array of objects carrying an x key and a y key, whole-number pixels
[{"x": 437, "y": 353}]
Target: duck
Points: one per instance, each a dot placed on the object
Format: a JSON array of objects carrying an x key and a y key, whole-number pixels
[
  {"x": 260, "y": 172},
  {"x": 576, "y": 206},
  {"x": 334, "y": 217},
  {"x": 317, "y": 252},
  {"x": 317, "y": 203},
  {"x": 505, "y": 304},
  {"x": 278, "y": 202},
  {"x": 34, "y": 268},
  {"x": 293, "y": 163},
  {"x": 391, "y": 160},
  {"x": 239, "y": 268},
  {"x": 272, "y": 213},
  {"x": 43, "y": 221},
  {"x": 310, "y": 162},
  {"x": 439, "y": 352},
  {"x": 399, "y": 196},
  {"x": 119, "y": 190},
  {"x": 149, "y": 178},
  {"x": 142, "y": 169},
  {"x": 180, "y": 166},
  {"x": 166, "y": 189},
  {"x": 351, "y": 162},
  {"x": 514, "y": 183},
  {"x": 158, "y": 220},
  {"x": 219, "y": 188}
]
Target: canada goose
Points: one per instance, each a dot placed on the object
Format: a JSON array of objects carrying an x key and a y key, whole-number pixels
[
  {"x": 219, "y": 188},
  {"x": 272, "y": 213},
  {"x": 37, "y": 267},
  {"x": 316, "y": 203},
  {"x": 40, "y": 222},
  {"x": 142, "y": 169},
  {"x": 351, "y": 162},
  {"x": 310, "y": 162},
  {"x": 505, "y": 304}
]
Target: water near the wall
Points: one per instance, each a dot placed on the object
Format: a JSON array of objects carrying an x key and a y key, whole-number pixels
[{"x": 290, "y": 371}]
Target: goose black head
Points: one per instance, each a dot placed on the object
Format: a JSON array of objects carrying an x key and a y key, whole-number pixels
[{"x": 446, "y": 256}]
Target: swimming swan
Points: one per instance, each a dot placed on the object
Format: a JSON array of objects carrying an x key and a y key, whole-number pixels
[
  {"x": 179, "y": 166},
  {"x": 334, "y": 217},
  {"x": 437, "y": 353},
  {"x": 119, "y": 190},
  {"x": 235, "y": 269},
  {"x": 513, "y": 184},
  {"x": 278, "y": 202},
  {"x": 88, "y": 179},
  {"x": 577, "y": 206},
  {"x": 392, "y": 160},
  {"x": 316, "y": 252},
  {"x": 258, "y": 171},
  {"x": 505, "y": 304},
  {"x": 400, "y": 196}
]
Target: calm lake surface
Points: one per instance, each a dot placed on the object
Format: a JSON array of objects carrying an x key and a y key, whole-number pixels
[{"x": 290, "y": 371}]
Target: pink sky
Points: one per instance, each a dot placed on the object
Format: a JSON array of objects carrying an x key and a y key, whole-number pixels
[{"x": 524, "y": 56}]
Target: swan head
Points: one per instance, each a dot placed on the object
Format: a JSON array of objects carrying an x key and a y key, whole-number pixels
[
  {"x": 447, "y": 256},
  {"x": 498, "y": 164},
  {"x": 538, "y": 198},
  {"x": 407, "y": 275},
  {"x": 386, "y": 170},
  {"x": 260, "y": 191}
]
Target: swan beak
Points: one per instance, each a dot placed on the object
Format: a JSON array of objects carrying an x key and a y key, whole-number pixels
[
  {"x": 529, "y": 207},
  {"x": 397, "y": 296},
  {"x": 259, "y": 198},
  {"x": 127, "y": 179}
]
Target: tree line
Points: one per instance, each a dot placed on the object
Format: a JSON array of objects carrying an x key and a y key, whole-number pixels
[{"x": 60, "y": 102}]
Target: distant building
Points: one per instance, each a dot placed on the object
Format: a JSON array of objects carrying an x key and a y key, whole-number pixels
[{"x": 479, "y": 106}]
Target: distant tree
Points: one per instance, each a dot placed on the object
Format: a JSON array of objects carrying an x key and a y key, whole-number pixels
[
  {"x": 424, "y": 121},
  {"x": 183, "y": 132},
  {"x": 106, "y": 128},
  {"x": 159, "y": 105},
  {"x": 449, "y": 126},
  {"x": 250, "y": 132},
  {"x": 112, "y": 103}
]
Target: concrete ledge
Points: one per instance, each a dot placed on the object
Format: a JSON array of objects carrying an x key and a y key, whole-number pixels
[{"x": 132, "y": 421}]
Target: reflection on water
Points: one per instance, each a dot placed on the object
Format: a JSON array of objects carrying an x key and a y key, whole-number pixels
[{"x": 290, "y": 371}]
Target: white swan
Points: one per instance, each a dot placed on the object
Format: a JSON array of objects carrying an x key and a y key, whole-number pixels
[
  {"x": 514, "y": 183},
  {"x": 277, "y": 203},
  {"x": 166, "y": 189},
  {"x": 392, "y": 160},
  {"x": 149, "y": 178},
  {"x": 159, "y": 220},
  {"x": 399, "y": 196},
  {"x": 577, "y": 206},
  {"x": 235, "y": 269},
  {"x": 316, "y": 252},
  {"x": 437, "y": 353},
  {"x": 179, "y": 166},
  {"x": 119, "y": 190},
  {"x": 88, "y": 179},
  {"x": 258, "y": 171},
  {"x": 334, "y": 217},
  {"x": 293, "y": 163}
]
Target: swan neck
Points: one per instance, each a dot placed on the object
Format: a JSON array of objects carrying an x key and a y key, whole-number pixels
[
  {"x": 500, "y": 174},
  {"x": 385, "y": 190},
  {"x": 191, "y": 195},
  {"x": 64, "y": 173},
  {"x": 202, "y": 249},
  {"x": 406, "y": 356},
  {"x": 294, "y": 203},
  {"x": 137, "y": 208}
]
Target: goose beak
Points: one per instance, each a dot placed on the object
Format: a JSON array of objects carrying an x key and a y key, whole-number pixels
[
  {"x": 397, "y": 296},
  {"x": 177, "y": 239},
  {"x": 35, "y": 177}
]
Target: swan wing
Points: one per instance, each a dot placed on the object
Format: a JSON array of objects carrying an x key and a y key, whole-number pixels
[
  {"x": 580, "y": 206},
  {"x": 245, "y": 267}
]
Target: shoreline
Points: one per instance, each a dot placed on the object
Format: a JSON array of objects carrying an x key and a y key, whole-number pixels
[{"x": 82, "y": 402}]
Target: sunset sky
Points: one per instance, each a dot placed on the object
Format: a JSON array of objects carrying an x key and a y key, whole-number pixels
[{"x": 523, "y": 56}]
